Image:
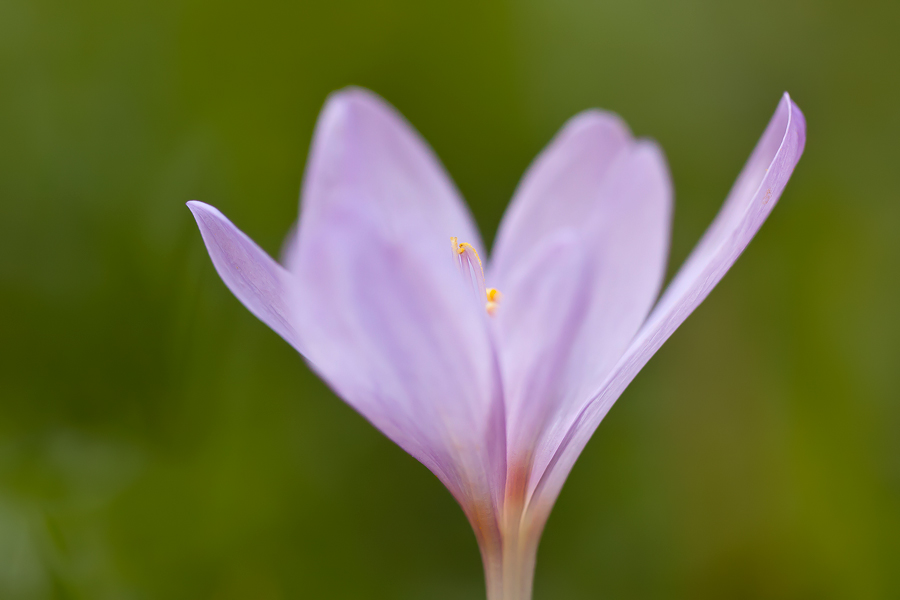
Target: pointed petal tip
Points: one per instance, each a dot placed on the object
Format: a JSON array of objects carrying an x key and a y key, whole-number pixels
[
  {"x": 798, "y": 121},
  {"x": 263, "y": 286},
  {"x": 198, "y": 209},
  {"x": 211, "y": 221}
]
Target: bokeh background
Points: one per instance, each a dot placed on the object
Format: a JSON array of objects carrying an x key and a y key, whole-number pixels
[{"x": 158, "y": 442}]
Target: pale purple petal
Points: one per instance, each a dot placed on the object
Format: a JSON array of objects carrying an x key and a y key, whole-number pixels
[
  {"x": 749, "y": 203},
  {"x": 386, "y": 318},
  {"x": 261, "y": 284},
  {"x": 559, "y": 190},
  {"x": 396, "y": 333},
  {"x": 535, "y": 329},
  {"x": 363, "y": 149},
  {"x": 390, "y": 322},
  {"x": 567, "y": 317},
  {"x": 402, "y": 339}
]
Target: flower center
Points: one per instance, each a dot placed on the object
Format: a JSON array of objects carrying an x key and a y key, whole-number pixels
[{"x": 469, "y": 264}]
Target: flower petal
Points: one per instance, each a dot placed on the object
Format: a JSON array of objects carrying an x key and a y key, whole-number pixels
[
  {"x": 391, "y": 325},
  {"x": 612, "y": 194},
  {"x": 750, "y": 201},
  {"x": 364, "y": 149},
  {"x": 261, "y": 284},
  {"x": 535, "y": 329},
  {"x": 387, "y": 320},
  {"x": 401, "y": 338},
  {"x": 559, "y": 190}
]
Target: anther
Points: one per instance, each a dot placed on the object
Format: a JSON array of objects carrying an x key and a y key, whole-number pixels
[
  {"x": 469, "y": 263},
  {"x": 493, "y": 299}
]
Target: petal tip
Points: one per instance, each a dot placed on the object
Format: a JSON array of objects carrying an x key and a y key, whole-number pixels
[
  {"x": 354, "y": 92},
  {"x": 793, "y": 135},
  {"x": 352, "y": 100},
  {"x": 650, "y": 150},
  {"x": 594, "y": 120},
  {"x": 650, "y": 147},
  {"x": 202, "y": 209},
  {"x": 195, "y": 205}
]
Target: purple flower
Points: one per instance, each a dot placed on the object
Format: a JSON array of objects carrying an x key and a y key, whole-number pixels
[{"x": 384, "y": 293}]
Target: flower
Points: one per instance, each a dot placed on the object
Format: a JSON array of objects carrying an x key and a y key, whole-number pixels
[{"x": 384, "y": 292}]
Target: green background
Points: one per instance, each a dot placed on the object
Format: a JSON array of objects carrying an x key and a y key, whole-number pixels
[{"x": 158, "y": 442}]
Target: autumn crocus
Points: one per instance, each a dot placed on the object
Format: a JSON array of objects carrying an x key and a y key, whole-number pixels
[{"x": 492, "y": 373}]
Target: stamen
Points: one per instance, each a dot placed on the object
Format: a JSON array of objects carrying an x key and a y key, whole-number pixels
[
  {"x": 469, "y": 263},
  {"x": 493, "y": 299},
  {"x": 454, "y": 252}
]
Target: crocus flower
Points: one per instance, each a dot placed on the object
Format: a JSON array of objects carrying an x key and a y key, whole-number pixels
[{"x": 493, "y": 374}]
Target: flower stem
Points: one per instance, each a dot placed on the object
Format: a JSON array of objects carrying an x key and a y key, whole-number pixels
[{"x": 509, "y": 571}]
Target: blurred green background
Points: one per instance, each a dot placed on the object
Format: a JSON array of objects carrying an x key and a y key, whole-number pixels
[{"x": 158, "y": 442}]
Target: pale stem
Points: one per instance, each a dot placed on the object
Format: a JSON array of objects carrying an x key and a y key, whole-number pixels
[{"x": 509, "y": 569}]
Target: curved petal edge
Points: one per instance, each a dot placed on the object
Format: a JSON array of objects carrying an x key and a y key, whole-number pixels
[{"x": 260, "y": 283}]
